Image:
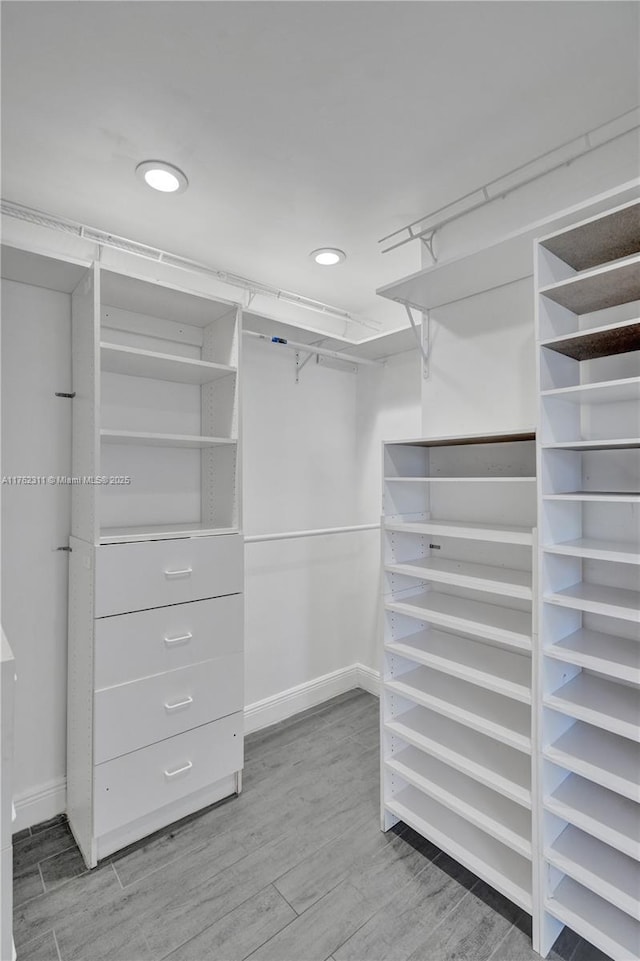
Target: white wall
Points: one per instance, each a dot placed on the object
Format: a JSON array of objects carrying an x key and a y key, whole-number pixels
[
  {"x": 482, "y": 368},
  {"x": 36, "y": 440}
]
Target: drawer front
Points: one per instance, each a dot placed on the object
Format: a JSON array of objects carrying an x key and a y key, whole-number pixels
[
  {"x": 137, "y": 784},
  {"x": 131, "y": 646},
  {"x": 134, "y": 577},
  {"x": 131, "y": 716}
]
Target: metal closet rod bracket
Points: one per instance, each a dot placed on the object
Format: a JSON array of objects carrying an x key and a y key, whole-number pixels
[{"x": 422, "y": 338}]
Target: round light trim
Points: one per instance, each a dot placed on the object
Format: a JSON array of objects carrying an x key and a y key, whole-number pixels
[
  {"x": 162, "y": 176},
  {"x": 328, "y": 256}
]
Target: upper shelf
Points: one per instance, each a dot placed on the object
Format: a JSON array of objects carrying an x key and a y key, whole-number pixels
[
  {"x": 608, "y": 238},
  {"x": 604, "y": 341},
  {"x": 146, "y": 439},
  {"x": 136, "y": 362},
  {"x": 504, "y": 262},
  {"x": 615, "y": 283}
]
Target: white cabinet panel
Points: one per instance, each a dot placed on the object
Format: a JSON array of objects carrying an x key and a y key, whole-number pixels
[
  {"x": 133, "y": 715},
  {"x": 144, "y": 781},
  {"x": 131, "y": 646},
  {"x": 134, "y": 577}
]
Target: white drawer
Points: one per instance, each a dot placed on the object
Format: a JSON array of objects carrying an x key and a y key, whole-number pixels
[
  {"x": 131, "y": 646},
  {"x": 144, "y": 781},
  {"x": 130, "y": 716},
  {"x": 134, "y": 577}
]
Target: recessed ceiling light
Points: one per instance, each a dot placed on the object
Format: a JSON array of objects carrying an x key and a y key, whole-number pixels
[
  {"x": 162, "y": 176},
  {"x": 328, "y": 256}
]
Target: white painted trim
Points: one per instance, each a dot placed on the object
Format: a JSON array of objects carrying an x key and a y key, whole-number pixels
[
  {"x": 40, "y": 804},
  {"x": 285, "y": 704},
  {"x": 44, "y": 802},
  {"x": 368, "y": 679}
]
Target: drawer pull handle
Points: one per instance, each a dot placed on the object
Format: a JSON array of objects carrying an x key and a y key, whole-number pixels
[
  {"x": 185, "y": 573},
  {"x": 179, "y": 770},
  {"x": 174, "y": 707},
  {"x": 180, "y": 639}
]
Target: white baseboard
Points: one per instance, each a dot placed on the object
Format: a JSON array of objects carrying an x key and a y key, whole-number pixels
[
  {"x": 40, "y": 804},
  {"x": 285, "y": 704},
  {"x": 368, "y": 679},
  {"x": 50, "y": 799}
]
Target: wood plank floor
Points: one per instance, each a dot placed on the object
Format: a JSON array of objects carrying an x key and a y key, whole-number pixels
[{"x": 295, "y": 869}]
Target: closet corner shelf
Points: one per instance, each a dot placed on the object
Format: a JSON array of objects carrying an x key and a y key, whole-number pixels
[
  {"x": 146, "y": 439},
  {"x": 136, "y": 362},
  {"x": 599, "y": 756},
  {"x": 625, "y": 390},
  {"x": 598, "y": 599},
  {"x": 589, "y": 547},
  {"x": 478, "y": 577}
]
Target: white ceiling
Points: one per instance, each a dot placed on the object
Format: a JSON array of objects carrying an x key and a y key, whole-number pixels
[{"x": 299, "y": 124}]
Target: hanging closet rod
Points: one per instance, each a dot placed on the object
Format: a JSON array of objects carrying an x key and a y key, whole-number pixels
[
  {"x": 492, "y": 190},
  {"x": 309, "y": 349},
  {"x": 291, "y": 535},
  {"x": 103, "y": 239}
]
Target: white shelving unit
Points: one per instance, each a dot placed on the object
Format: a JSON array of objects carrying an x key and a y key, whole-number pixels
[
  {"x": 458, "y": 535},
  {"x": 155, "y": 665},
  {"x": 588, "y": 332}
]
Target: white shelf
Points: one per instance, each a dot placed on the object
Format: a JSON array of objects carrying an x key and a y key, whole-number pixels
[
  {"x": 159, "y": 532},
  {"x": 602, "y": 497},
  {"x": 498, "y": 479},
  {"x": 480, "y": 577},
  {"x": 608, "y": 760},
  {"x": 491, "y": 860},
  {"x": 598, "y": 599},
  {"x": 598, "y": 867},
  {"x": 596, "y": 549},
  {"x": 504, "y": 719},
  {"x": 605, "y": 392},
  {"x": 136, "y": 362},
  {"x": 601, "y": 813},
  {"x": 604, "y": 341},
  {"x": 607, "y": 704},
  {"x": 596, "y": 920},
  {"x": 480, "y": 806},
  {"x": 461, "y": 615},
  {"x": 491, "y": 668},
  {"x": 467, "y": 530},
  {"x": 481, "y": 758},
  {"x": 599, "y": 288},
  {"x": 145, "y": 439},
  {"x": 614, "y": 443},
  {"x": 616, "y": 657}
]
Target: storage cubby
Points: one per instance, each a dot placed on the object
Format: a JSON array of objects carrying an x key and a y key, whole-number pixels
[
  {"x": 457, "y": 737},
  {"x": 589, "y": 523}
]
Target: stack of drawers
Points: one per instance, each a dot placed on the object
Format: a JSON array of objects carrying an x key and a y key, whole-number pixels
[{"x": 167, "y": 697}]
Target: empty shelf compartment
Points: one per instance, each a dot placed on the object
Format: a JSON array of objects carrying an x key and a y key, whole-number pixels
[
  {"x": 468, "y": 530},
  {"x": 597, "y": 549},
  {"x": 461, "y": 615},
  {"x": 491, "y": 860},
  {"x": 617, "y": 657},
  {"x": 606, "y": 704},
  {"x": 607, "y": 759},
  {"x": 485, "y": 760},
  {"x": 479, "y": 577},
  {"x": 604, "y": 341},
  {"x": 599, "y": 599},
  {"x": 601, "y": 813},
  {"x": 599, "y": 288},
  {"x": 595, "y": 919},
  {"x": 135, "y": 362},
  {"x": 486, "y": 809},
  {"x": 492, "y": 668},
  {"x": 599, "y": 867}
]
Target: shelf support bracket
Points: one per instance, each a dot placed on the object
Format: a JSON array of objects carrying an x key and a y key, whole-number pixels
[
  {"x": 422, "y": 338},
  {"x": 427, "y": 240},
  {"x": 301, "y": 364}
]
